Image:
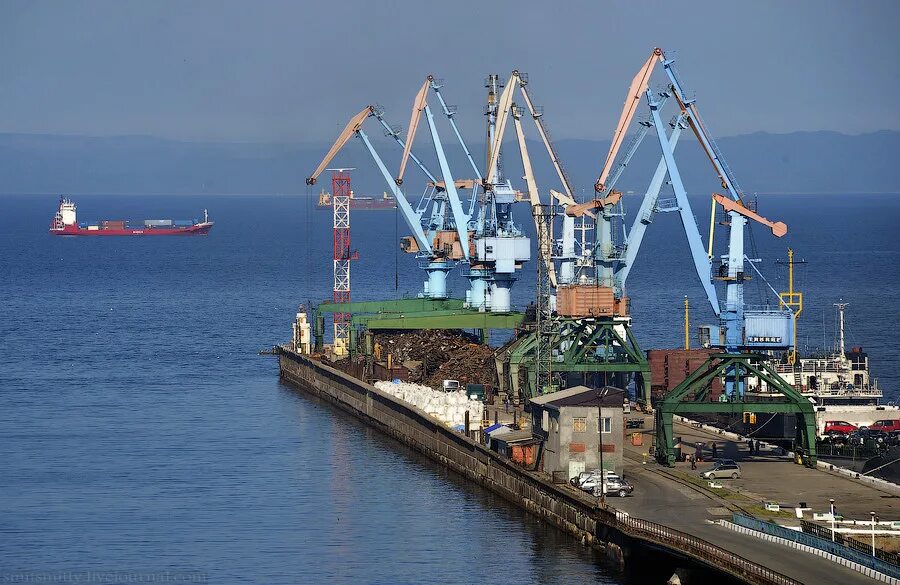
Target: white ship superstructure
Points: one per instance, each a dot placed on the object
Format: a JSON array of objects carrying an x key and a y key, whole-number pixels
[{"x": 839, "y": 383}]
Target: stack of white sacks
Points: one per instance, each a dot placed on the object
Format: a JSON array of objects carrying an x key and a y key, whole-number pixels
[{"x": 449, "y": 407}]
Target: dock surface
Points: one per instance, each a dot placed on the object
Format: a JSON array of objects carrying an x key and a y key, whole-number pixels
[{"x": 667, "y": 496}]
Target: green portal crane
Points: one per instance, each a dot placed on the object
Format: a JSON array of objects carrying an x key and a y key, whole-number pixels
[
  {"x": 580, "y": 347},
  {"x": 692, "y": 396}
]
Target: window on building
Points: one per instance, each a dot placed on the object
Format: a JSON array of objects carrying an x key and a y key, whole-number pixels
[
  {"x": 606, "y": 424},
  {"x": 579, "y": 424}
]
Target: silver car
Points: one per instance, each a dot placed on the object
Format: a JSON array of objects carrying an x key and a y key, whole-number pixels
[
  {"x": 723, "y": 469},
  {"x": 615, "y": 487},
  {"x": 593, "y": 481}
]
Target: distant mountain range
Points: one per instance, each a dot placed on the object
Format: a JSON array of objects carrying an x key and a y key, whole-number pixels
[{"x": 799, "y": 162}]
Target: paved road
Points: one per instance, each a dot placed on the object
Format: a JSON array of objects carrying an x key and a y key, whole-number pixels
[
  {"x": 775, "y": 478},
  {"x": 660, "y": 499},
  {"x": 680, "y": 507}
]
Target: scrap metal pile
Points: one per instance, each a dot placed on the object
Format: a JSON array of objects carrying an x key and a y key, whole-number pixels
[{"x": 441, "y": 355}]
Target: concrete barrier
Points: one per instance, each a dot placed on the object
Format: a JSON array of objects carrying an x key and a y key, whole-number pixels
[{"x": 868, "y": 566}]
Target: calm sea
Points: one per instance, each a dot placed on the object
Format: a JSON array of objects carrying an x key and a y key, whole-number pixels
[{"x": 142, "y": 435}]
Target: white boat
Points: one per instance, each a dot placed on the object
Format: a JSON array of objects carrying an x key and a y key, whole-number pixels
[{"x": 839, "y": 384}]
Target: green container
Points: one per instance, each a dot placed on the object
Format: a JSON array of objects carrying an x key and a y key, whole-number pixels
[{"x": 476, "y": 390}]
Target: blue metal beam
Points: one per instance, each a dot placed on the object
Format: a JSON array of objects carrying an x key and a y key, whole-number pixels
[
  {"x": 390, "y": 132},
  {"x": 702, "y": 262},
  {"x": 706, "y": 141},
  {"x": 642, "y": 219},
  {"x": 412, "y": 219},
  {"x": 462, "y": 143},
  {"x": 459, "y": 216}
]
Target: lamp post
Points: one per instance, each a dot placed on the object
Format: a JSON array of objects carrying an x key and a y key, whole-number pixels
[
  {"x": 601, "y": 394},
  {"x": 831, "y": 501},
  {"x": 874, "y": 519}
]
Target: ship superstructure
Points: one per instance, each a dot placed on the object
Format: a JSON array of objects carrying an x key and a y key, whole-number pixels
[{"x": 839, "y": 383}]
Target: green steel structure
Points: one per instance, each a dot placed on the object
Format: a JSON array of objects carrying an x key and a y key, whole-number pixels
[
  {"x": 419, "y": 313},
  {"x": 692, "y": 396},
  {"x": 580, "y": 348},
  {"x": 458, "y": 319},
  {"x": 392, "y": 306}
]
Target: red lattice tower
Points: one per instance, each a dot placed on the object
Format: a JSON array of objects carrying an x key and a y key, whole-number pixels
[{"x": 340, "y": 201}]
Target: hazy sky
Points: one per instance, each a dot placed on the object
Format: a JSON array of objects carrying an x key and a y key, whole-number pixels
[{"x": 273, "y": 71}]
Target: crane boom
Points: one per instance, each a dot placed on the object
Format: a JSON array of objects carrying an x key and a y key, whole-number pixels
[
  {"x": 638, "y": 87},
  {"x": 449, "y": 113},
  {"x": 352, "y": 126},
  {"x": 541, "y": 227},
  {"x": 379, "y": 115},
  {"x": 459, "y": 216},
  {"x": 779, "y": 229},
  {"x": 411, "y": 218},
  {"x": 599, "y": 203},
  {"x": 699, "y": 129},
  {"x": 538, "y": 121},
  {"x": 419, "y": 104},
  {"x": 632, "y": 101},
  {"x": 503, "y": 105}
]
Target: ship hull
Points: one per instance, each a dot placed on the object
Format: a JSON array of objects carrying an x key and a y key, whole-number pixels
[{"x": 200, "y": 229}]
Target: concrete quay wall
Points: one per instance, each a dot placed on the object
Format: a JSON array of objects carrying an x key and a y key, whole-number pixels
[
  {"x": 415, "y": 428},
  {"x": 629, "y": 543}
]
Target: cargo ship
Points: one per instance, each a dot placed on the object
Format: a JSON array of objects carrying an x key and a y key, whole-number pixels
[
  {"x": 838, "y": 383},
  {"x": 381, "y": 203},
  {"x": 65, "y": 223}
]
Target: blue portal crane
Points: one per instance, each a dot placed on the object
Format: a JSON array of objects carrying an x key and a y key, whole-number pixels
[
  {"x": 431, "y": 239},
  {"x": 743, "y": 328}
]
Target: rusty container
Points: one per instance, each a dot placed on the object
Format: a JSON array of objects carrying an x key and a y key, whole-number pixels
[{"x": 582, "y": 300}]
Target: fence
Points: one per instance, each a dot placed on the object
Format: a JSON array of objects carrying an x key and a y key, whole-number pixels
[
  {"x": 696, "y": 547},
  {"x": 848, "y": 541},
  {"x": 853, "y": 452},
  {"x": 820, "y": 543}
]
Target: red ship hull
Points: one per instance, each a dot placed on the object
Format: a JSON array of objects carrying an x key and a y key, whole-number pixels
[{"x": 200, "y": 229}]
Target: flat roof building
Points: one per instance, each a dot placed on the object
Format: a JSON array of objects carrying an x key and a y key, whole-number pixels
[{"x": 569, "y": 421}]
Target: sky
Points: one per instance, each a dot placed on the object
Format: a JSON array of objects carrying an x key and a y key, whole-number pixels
[{"x": 271, "y": 71}]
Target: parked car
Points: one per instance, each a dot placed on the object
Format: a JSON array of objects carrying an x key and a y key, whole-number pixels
[
  {"x": 584, "y": 476},
  {"x": 593, "y": 481},
  {"x": 836, "y": 438},
  {"x": 861, "y": 436},
  {"x": 580, "y": 478},
  {"x": 615, "y": 487},
  {"x": 839, "y": 426},
  {"x": 887, "y": 425},
  {"x": 731, "y": 470}
]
